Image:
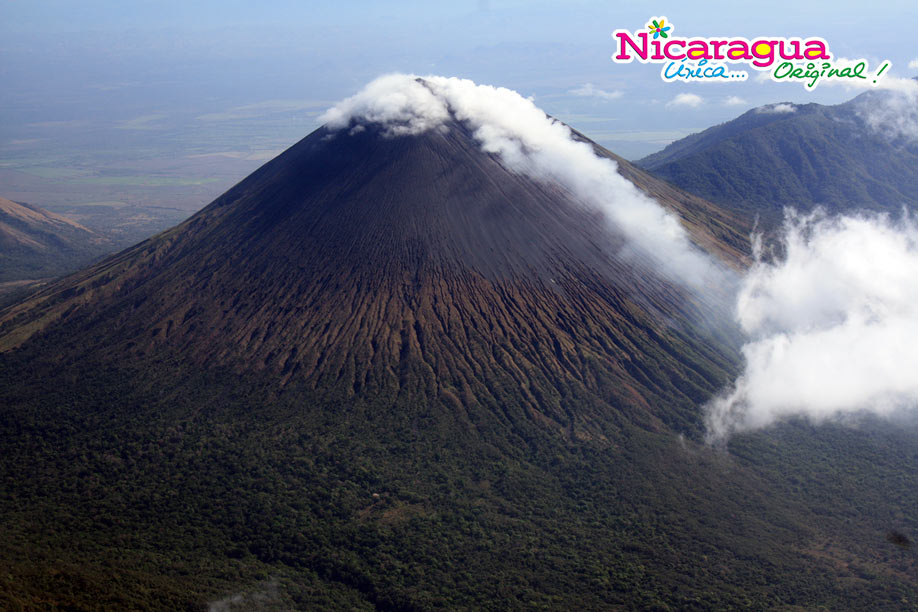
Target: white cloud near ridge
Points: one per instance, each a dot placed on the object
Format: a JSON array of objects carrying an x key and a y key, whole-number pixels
[
  {"x": 893, "y": 112},
  {"x": 777, "y": 109}
]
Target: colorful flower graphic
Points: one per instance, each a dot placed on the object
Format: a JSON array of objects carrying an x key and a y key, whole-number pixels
[{"x": 658, "y": 29}]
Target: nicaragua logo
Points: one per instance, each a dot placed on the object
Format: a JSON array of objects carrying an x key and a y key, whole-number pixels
[{"x": 718, "y": 59}]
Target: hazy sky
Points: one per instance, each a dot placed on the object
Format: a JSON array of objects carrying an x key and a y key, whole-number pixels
[{"x": 113, "y": 77}]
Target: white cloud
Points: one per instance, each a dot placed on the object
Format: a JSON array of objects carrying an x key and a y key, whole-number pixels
[
  {"x": 783, "y": 107},
  {"x": 686, "y": 99},
  {"x": 913, "y": 64},
  {"x": 529, "y": 142},
  {"x": 401, "y": 103},
  {"x": 893, "y": 112},
  {"x": 589, "y": 91},
  {"x": 833, "y": 326},
  {"x": 734, "y": 101}
]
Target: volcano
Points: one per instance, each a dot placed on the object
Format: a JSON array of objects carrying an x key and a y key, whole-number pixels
[
  {"x": 385, "y": 265},
  {"x": 444, "y": 352}
]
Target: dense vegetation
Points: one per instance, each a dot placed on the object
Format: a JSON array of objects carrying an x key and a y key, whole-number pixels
[{"x": 164, "y": 489}]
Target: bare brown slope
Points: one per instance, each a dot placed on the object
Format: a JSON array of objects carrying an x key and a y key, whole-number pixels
[
  {"x": 35, "y": 217},
  {"x": 36, "y": 243}
]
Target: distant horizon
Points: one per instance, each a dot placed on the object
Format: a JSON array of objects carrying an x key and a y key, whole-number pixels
[{"x": 166, "y": 104}]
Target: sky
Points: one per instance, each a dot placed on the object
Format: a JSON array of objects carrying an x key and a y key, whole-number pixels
[{"x": 99, "y": 81}]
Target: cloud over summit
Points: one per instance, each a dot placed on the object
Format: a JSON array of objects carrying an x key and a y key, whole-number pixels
[{"x": 529, "y": 142}]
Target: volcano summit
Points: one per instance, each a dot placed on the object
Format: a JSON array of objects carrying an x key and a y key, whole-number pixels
[{"x": 443, "y": 353}]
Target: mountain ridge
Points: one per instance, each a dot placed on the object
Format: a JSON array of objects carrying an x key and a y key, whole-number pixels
[
  {"x": 37, "y": 244},
  {"x": 829, "y": 156}
]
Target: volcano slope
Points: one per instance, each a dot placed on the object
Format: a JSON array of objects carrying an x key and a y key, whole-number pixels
[{"x": 393, "y": 369}]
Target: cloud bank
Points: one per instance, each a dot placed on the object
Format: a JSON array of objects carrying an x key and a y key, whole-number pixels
[
  {"x": 833, "y": 326},
  {"x": 529, "y": 142}
]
